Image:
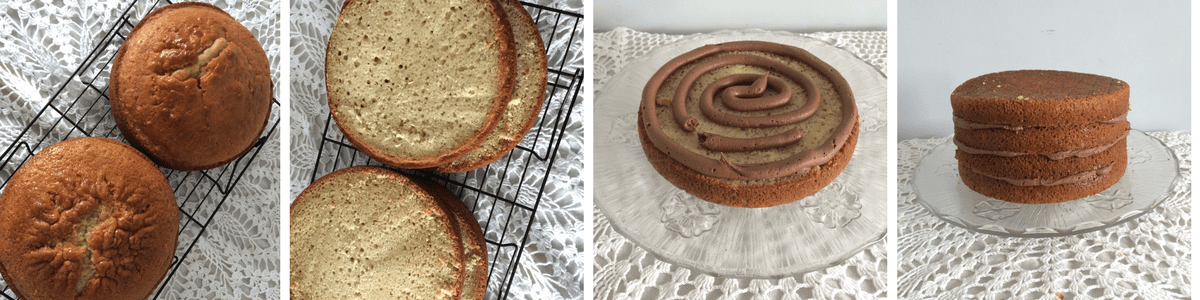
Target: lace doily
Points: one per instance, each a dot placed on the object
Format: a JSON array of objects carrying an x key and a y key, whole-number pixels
[
  {"x": 623, "y": 270},
  {"x": 551, "y": 266},
  {"x": 1145, "y": 258},
  {"x": 46, "y": 41}
]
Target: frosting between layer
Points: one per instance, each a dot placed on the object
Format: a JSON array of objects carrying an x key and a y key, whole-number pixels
[
  {"x": 1083, "y": 152},
  {"x": 1086, "y": 176},
  {"x": 796, "y": 164}
]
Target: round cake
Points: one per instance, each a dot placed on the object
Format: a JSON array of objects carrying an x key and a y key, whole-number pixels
[
  {"x": 417, "y": 85},
  {"x": 370, "y": 233},
  {"x": 1037, "y": 136},
  {"x": 191, "y": 87},
  {"x": 748, "y": 124},
  {"x": 87, "y": 218},
  {"x": 526, "y": 102}
]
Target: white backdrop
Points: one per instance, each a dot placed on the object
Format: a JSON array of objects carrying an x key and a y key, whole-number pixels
[
  {"x": 695, "y": 16},
  {"x": 943, "y": 43}
]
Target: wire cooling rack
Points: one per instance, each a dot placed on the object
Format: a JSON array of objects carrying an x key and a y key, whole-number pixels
[
  {"x": 80, "y": 108},
  {"x": 504, "y": 195}
]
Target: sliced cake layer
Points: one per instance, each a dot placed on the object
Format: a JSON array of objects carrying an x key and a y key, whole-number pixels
[
  {"x": 370, "y": 233},
  {"x": 417, "y": 84}
]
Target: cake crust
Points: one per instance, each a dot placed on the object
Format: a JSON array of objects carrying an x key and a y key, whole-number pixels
[
  {"x": 191, "y": 87},
  {"x": 87, "y": 218}
]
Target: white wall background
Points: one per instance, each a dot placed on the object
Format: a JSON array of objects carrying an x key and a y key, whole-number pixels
[
  {"x": 941, "y": 44},
  {"x": 695, "y": 16}
]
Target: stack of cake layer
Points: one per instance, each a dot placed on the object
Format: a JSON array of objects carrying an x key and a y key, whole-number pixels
[{"x": 1035, "y": 136}]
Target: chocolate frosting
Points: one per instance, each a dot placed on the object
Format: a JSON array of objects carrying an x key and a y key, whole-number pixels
[
  {"x": 798, "y": 164},
  {"x": 962, "y": 123},
  {"x": 1082, "y": 152},
  {"x": 1086, "y": 176}
]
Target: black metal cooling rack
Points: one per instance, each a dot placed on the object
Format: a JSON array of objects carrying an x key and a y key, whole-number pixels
[
  {"x": 80, "y": 108},
  {"x": 504, "y": 195}
]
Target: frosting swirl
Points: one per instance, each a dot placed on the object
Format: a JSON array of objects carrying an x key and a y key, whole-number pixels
[{"x": 746, "y": 92}]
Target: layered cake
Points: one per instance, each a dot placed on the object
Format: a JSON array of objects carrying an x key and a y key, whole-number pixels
[
  {"x": 370, "y": 233},
  {"x": 1036, "y": 136},
  {"x": 748, "y": 124},
  {"x": 191, "y": 87},
  {"x": 87, "y": 218}
]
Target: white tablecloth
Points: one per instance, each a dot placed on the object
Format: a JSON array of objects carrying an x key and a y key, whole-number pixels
[
  {"x": 44, "y": 41},
  {"x": 1145, "y": 258},
  {"x": 624, "y": 270}
]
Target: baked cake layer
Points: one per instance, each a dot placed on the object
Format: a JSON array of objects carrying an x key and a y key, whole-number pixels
[
  {"x": 191, "y": 87},
  {"x": 745, "y": 116},
  {"x": 419, "y": 84},
  {"x": 87, "y": 218},
  {"x": 1040, "y": 98},
  {"x": 526, "y": 102},
  {"x": 370, "y": 233}
]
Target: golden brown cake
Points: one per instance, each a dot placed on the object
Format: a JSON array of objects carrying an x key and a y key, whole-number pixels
[
  {"x": 370, "y": 233},
  {"x": 526, "y": 102},
  {"x": 417, "y": 85},
  {"x": 191, "y": 87},
  {"x": 1036, "y": 136},
  {"x": 748, "y": 124},
  {"x": 87, "y": 218}
]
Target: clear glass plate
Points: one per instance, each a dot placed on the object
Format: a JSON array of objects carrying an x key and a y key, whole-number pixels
[
  {"x": 1152, "y": 170},
  {"x": 810, "y": 234}
]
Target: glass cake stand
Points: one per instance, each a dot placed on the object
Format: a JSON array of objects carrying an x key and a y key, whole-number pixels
[
  {"x": 1152, "y": 171},
  {"x": 807, "y": 235}
]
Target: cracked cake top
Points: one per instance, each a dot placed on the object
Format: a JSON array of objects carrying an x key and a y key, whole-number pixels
[
  {"x": 191, "y": 87},
  {"x": 87, "y": 218}
]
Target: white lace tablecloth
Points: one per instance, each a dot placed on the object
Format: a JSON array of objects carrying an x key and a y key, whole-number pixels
[
  {"x": 551, "y": 267},
  {"x": 1145, "y": 258},
  {"x": 624, "y": 270},
  {"x": 44, "y": 41}
]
